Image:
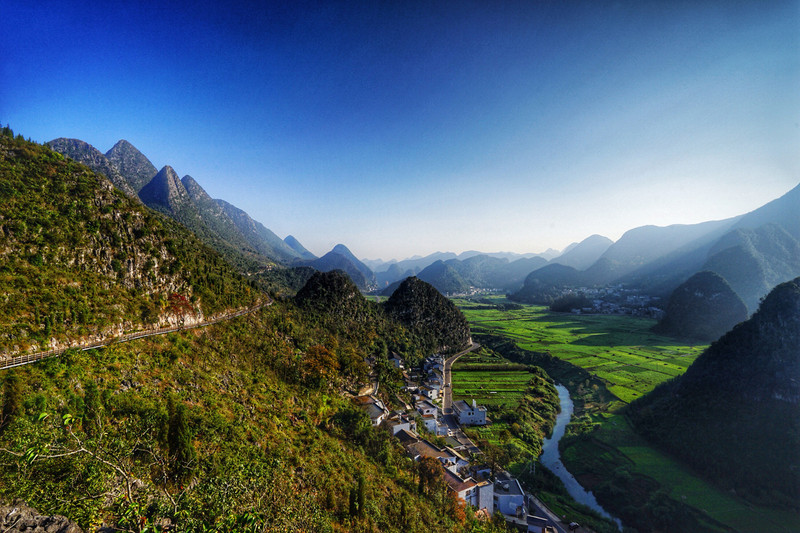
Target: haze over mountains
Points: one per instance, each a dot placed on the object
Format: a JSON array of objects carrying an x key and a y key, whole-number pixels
[{"x": 752, "y": 253}]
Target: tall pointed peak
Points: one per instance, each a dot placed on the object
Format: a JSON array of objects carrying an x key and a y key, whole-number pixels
[
  {"x": 165, "y": 190},
  {"x": 196, "y": 191},
  {"x": 132, "y": 164}
]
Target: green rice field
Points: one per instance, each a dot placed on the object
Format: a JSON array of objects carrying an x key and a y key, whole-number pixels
[
  {"x": 501, "y": 386},
  {"x": 621, "y": 350},
  {"x": 489, "y": 379}
]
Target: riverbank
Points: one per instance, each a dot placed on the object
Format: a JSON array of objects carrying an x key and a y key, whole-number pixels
[{"x": 551, "y": 458}]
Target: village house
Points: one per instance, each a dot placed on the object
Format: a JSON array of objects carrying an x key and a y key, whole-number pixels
[
  {"x": 400, "y": 421},
  {"x": 430, "y": 423},
  {"x": 397, "y": 361},
  {"x": 509, "y": 498},
  {"x": 373, "y": 407},
  {"x": 474, "y": 415},
  {"x": 427, "y": 408},
  {"x": 422, "y": 448},
  {"x": 429, "y": 392},
  {"x": 476, "y": 494}
]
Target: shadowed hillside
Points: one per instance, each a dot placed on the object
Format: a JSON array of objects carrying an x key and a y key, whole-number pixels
[
  {"x": 704, "y": 307},
  {"x": 735, "y": 414}
]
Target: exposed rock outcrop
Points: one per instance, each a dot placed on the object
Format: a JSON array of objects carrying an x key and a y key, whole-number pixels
[{"x": 19, "y": 518}]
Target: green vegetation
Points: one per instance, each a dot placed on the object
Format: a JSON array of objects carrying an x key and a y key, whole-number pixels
[
  {"x": 263, "y": 440},
  {"x": 79, "y": 258},
  {"x": 240, "y": 426},
  {"x": 620, "y": 350},
  {"x": 734, "y": 415},
  {"x": 522, "y": 404},
  {"x": 521, "y": 401},
  {"x": 436, "y": 322},
  {"x": 646, "y": 488}
]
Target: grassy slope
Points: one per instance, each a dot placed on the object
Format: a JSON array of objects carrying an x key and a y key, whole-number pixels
[
  {"x": 632, "y": 361},
  {"x": 268, "y": 442}
]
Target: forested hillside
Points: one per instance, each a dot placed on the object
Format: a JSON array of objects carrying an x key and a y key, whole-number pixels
[
  {"x": 79, "y": 258},
  {"x": 735, "y": 414},
  {"x": 429, "y": 315},
  {"x": 241, "y": 426},
  {"x": 238, "y": 427},
  {"x": 704, "y": 307}
]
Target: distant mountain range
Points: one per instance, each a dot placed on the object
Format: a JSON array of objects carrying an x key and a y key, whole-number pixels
[{"x": 752, "y": 253}]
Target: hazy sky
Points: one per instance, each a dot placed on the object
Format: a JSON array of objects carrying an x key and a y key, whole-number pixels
[{"x": 402, "y": 127}]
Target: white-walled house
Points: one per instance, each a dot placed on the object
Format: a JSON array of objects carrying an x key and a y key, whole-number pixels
[
  {"x": 401, "y": 421},
  {"x": 376, "y": 413},
  {"x": 427, "y": 408},
  {"x": 469, "y": 415},
  {"x": 509, "y": 497},
  {"x": 429, "y": 392}
]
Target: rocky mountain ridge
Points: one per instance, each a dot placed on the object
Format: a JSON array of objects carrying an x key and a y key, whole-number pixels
[{"x": 231, "y": 231}]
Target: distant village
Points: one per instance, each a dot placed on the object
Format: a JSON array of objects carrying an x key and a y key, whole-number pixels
[
  {"x": 617, "y": 300},
  {"x": 416, "y": 426}
]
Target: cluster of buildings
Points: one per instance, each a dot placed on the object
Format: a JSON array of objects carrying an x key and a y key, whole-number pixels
[
  {"x": 616, "y": 300},
  {"x": 473, "y": 484}
]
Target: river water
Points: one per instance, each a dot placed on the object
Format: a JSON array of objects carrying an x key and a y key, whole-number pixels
[{"x": 551, "y": 458}]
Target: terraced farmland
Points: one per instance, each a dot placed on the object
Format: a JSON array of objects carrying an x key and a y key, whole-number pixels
[{"x": 515, "y": 395}]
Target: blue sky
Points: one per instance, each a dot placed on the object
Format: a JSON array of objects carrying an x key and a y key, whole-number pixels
[{"x": 402, "y": 128}]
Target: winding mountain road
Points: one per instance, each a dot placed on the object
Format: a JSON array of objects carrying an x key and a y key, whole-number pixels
[{"x": 27, "y": 359}]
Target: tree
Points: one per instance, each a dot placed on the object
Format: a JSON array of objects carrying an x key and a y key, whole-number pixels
[
  {"x": 91, "y": 408},
  {"x": 12, "y": 399},
  {"x": 431, "y": 475},
  {"x": 353, "y": 502},
  {"x": 181, "y": 449},
  {"x": 361, "y": 496}
]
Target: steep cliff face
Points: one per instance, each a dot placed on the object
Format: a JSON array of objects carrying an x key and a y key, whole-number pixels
[
  {"x": 735, "y": 413},
  {"x": 429, "y": 315}
]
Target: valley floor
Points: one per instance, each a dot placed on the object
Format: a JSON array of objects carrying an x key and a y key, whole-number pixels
[{"x": 619, "y": 354}]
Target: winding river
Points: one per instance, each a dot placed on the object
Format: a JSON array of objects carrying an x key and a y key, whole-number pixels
[{"x": 552, "y": 459}]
